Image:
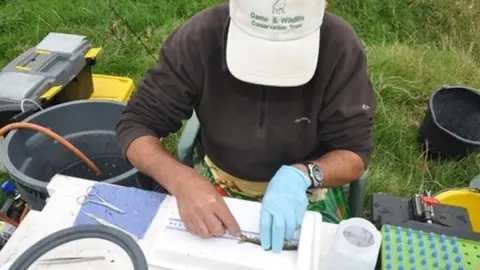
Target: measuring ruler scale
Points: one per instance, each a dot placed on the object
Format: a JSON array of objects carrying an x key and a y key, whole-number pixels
[{"x": 178, "y": 225}]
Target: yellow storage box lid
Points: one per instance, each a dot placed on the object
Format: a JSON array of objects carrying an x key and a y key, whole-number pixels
[{"x": 115, "y": 88}]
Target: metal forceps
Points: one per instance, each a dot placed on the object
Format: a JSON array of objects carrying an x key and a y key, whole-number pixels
[
  {"x": 68, "y": 260},
  {"x": 92, "y": 191},
  {"x": 108, "y": 224}
]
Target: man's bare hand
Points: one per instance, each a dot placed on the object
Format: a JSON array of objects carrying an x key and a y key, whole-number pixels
[{"x": 202, "y": 209}]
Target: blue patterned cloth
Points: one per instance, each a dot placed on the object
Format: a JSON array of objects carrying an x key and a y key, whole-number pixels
[{"x": 140, "y": 208}]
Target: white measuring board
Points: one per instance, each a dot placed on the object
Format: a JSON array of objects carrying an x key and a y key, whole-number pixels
[
  {"x": 178, "y": 225},
  {"x": 176, "y": 249}
]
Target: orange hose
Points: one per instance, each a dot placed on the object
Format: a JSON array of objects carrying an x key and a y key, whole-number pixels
[{"x": 55, "y": 137}]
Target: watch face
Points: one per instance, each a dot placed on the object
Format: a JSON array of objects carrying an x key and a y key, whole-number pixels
[{"x": 317, "y": 173}]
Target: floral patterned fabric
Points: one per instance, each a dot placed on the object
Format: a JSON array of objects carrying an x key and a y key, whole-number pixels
[{"x": 331, "y": 203}]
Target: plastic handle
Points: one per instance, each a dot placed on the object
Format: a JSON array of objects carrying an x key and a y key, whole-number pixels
[
  {"x": 430, "y": 200},
  {"x": 8, "y": 187}
]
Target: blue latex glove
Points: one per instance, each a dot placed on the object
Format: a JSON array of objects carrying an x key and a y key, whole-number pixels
[{"x": 283, "y": 207}]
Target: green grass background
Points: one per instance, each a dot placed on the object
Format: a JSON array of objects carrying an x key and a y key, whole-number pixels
[{"x": 414, "y": 47}]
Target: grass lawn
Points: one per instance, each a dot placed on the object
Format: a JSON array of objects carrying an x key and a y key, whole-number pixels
[{"x": 414, "y": 47}]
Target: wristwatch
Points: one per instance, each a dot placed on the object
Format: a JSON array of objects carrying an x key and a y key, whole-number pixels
[{"x": 315, "y": 173}]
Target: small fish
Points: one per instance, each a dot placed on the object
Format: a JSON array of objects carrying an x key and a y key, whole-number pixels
[{"x": 287, "y": 245}]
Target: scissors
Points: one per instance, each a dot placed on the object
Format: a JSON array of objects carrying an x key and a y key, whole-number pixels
[
  {"x": 92, "y": 191},
  {"x": 106, "y": 223}
]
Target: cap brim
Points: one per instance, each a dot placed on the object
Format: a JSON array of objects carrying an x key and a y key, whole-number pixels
[{"x": 271, "y": 63}]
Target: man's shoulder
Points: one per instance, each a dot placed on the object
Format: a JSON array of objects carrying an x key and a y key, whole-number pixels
[
  {"x": 339, "y": 33},
  {"x": 202, "y": 33},
  {"x": 206, "y": 24},
  {"x": 211, "y": 18}
]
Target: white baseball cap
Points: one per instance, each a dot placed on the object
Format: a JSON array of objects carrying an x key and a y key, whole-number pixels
[{"x": 274, "y": 42}]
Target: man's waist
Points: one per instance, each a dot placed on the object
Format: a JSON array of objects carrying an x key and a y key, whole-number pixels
[
  {"x": 242, "y": 167},
  {"x": 224, "y": 179}
]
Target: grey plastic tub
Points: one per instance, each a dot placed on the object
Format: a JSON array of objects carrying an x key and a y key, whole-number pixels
[{"x": 32, "y": 158}]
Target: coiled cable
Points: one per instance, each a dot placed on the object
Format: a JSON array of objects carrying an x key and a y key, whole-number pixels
[{"x": 32, "y": 254}]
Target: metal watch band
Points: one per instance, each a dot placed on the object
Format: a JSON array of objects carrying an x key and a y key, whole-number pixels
[{"x": 314, "y": 182}]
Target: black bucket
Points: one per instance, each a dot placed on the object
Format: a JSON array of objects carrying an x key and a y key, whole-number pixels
[
  {"x": 32, "y": 158},
  {"x": 451, "y": 127}
]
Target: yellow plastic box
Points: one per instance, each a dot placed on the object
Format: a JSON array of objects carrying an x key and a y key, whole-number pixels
[
  {"x": 114, "y": 88},
  {"x": 466, "y": 198}
]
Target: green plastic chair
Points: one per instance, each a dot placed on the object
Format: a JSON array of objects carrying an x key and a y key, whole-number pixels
[
  {"x": 475, "y": 183},
  {"x": 189, "y": 152}
]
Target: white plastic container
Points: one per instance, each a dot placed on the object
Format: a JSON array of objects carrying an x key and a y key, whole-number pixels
[
  {"x": 166, "y": 245},
  {"x": 175, "y": 248}
]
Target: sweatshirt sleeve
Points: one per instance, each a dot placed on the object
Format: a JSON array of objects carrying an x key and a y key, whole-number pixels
[
  {"x": 346, "y": 121},
  {"x": 167, "y": 94}
]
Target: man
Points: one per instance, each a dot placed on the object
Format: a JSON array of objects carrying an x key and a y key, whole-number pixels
[{"x": 285, "y": 104}]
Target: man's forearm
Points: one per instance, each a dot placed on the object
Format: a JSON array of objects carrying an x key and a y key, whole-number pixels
[
  {"x": 148, "y": 156},
  {"x": 339, "y": 167}
]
